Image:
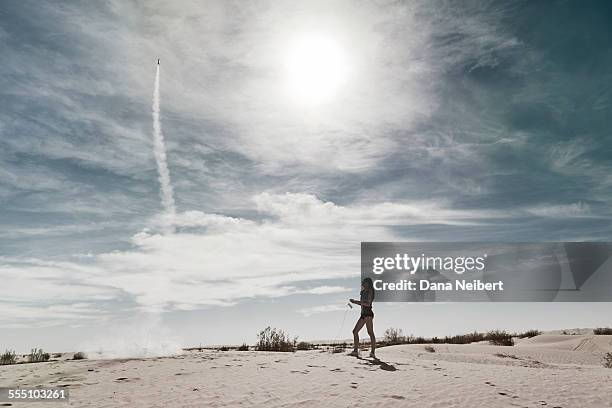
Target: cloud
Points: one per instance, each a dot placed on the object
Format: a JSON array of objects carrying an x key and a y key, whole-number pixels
[
  {"x": 578, "y": 209},
  {"x": 216, "y": 260},
  {"x": 453, "y": 124},
  {"x": 309, "y": 311}
]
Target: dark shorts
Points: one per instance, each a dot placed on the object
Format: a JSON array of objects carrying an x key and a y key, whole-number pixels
[{"x": 367, "y": 314}]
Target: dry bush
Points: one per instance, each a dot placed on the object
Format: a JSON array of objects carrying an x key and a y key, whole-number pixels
[
  {"x": 273, "y": 339},
  {"x": 394, "y": 336},
  {"x": 304, "y": 345},
  {"x": 528, "y": 334},
  {"x": 8, "y": 357},
  {"x": 430, "y": 349},
  {"x": 244, "y": 347},
  {"x": 79, "y": 356},
  {"x": 499, "y": 338},
  {"x": 38, "y": 356},
  {"x": 602, "y": 331}
]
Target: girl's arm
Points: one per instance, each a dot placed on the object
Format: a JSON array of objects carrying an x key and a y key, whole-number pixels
[{"x": 357, "y": 302}]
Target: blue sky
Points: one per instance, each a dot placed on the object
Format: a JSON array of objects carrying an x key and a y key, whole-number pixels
[{"x": 470, "y": 121}]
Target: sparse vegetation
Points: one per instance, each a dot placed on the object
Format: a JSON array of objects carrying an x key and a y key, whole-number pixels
[
  {"x": 244, "y": 347},
  {"x": 8, "y": 357},
  {"x": 304, "y": 345},
  {"x": 394, "y": 336},
  {"x": 528, "y": 334},
  {"x": 79, "y": 356},
  {"x": 223, "y": 348},
  {"x": 607, "y": 360},
  {"x": 464, "y": 338},
  {"x": 499, "y": 338},
  {"x": 603, "y": 331},
  {"x": 273, "y": 339},
  {"x": 57, "y": 355},
  {"x": 38, "y": 356},
  {"x": 430, "y": 349}
]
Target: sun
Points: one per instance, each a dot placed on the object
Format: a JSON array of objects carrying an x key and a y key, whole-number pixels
[{"x": 316, "y": 68}]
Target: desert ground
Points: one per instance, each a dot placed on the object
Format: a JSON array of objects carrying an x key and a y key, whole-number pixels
[{"x": 547, "y": 370}]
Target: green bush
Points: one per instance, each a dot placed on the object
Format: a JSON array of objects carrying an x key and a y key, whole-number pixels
[
  {"x": 38, "y": 356},
  {"x": 8, "y": 357},
  {"x": 273, "y": 339}
]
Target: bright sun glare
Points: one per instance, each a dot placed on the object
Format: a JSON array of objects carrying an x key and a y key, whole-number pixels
[{"x": 316, "y": 67}]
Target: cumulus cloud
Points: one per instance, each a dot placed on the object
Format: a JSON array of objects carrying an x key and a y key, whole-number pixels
[{"x": 214, "y": 260}]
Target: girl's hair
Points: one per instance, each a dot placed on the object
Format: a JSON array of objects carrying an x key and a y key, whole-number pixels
[{"x": 367, "y": 282}]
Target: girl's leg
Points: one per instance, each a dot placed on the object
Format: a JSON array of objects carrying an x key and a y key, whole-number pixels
[
  {"x": 369, "y": 321},
  {"x": 356, "y": 329}
]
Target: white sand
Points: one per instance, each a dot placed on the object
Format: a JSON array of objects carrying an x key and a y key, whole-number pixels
[{"x": 552, "y": 371}]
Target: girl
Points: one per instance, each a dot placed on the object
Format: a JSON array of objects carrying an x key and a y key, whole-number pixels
[{"x": 367, "y": 316}]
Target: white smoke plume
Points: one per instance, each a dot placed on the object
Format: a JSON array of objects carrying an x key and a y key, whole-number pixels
[{"x": 159, "y": 148}]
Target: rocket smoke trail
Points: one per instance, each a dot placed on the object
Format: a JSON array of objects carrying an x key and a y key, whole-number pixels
[{"x": 159, "y": 149}]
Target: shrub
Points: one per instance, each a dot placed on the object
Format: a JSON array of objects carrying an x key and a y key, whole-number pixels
[
  {"x": 8, "y": 357},
  {"x": 602, "y": 330},
  {"x": 499, "y": 338},
  {"x": 529, "y": 334},
  {"x": 38, "y": 356},
  {"x": 465, "y": 338},
  {"x": 79, "y": 356},
  {"x": 244, "y": 347},
  {"x": 394, "y": 336},
  {"x": 273, "y": 339},
  {"x": 430, "y": 349},
  {"x": 223, "y": 348},
  {"x": 607, "y": 360},
  {"x": 303, "y": 345},
  {"x": 57, "y": 355}
]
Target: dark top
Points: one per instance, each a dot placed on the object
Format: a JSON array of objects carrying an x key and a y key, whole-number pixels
[{"x": 368, "y": 297}]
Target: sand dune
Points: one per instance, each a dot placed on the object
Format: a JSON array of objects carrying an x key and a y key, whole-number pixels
[
  {"x": 544, "y": 371},
  {"x": 590, "y": 343}
]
